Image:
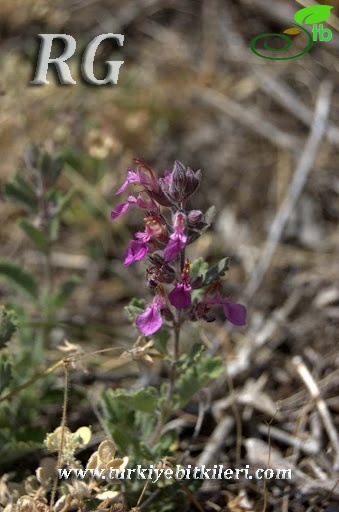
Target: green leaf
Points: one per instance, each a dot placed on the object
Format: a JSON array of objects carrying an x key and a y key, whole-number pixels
[
  {"x": 34, "y": 234},
  {"x": 161, "y": 338},
  {"x": 145, "y": 400},
  {"x": 66, "y": 290},
  {"x": 193, "y": 356},
  {"x": 7, "y": 326},
  {"x": 198, "y": 268},
  {"x": 134, "y": 308},
  {"x": 51, "y": 168},
  {"x": 313, "y": 14},
  {"x": 5, "y": 372},
  {"x": 209, "y": 215},
  {"x": 20, "y": 278},
  {"x": 21, "y": 195},
  {"x": 63, "y": 202},
  {"x": 198, "y": 376},
  {"x": 215, "y": 272},
  {"x": 119, "y": 415}
]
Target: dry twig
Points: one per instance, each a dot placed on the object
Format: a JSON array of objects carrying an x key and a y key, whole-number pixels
[
  {"x": 314, "y": 391},
  {"x": 302, "y": 171},
  {"x": 250, "y": 118}
]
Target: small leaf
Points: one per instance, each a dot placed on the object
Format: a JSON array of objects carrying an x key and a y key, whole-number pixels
[
  {"x": 20, "y": 278},
  {"x": 193, "y": 357},
  {"x": 51, "y": 168},
  {"x": 63, "y": 202},
  {"x": 35, "y": 234},
  {"x": 198, "y": 376},
  {"x": 161, "y": 338},
  {"x": 292, "y": 31},
  {"x": 66, "y": 290},
  {"x": 7, "y": 326},
  {"x": 144, "y": 400},
  {"x": 198, "y": 268},
  {"x": 22, "y": 196},
  {"x": 210, "y": 215},
  {"x": 5, "y": 372},
  {"x": 134, "y": 308},
  {"x": 313, "y": 14},
  {"x": 215, "y": 272}
]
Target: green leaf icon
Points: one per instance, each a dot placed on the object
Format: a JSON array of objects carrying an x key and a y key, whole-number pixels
[{"x": 313, "y": 14}]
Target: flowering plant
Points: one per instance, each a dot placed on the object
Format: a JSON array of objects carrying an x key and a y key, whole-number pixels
[{"x": 164, "y": 241}]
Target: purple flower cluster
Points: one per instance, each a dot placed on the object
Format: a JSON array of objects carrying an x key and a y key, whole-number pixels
[{"x": 164, "y": 241}]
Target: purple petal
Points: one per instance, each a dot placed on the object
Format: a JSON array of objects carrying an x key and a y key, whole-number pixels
[
  {"x": 147, "y": 205},
  {"x": 171, "y": 250},
  {"x": 180, "y": 297},
  {"x": 131, "y": 178},
  {"x": 174, "y": 247},
  {"x": 149, "y": 321},
  {"x": 119, "y": 210},
  {"x": 147, "y": 181},
  {"x": 136, "y": 252},
  {"x": 235, "y": 313}
]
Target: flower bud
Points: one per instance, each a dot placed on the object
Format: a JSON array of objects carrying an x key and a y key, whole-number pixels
[{"x": 182, "y": 184}]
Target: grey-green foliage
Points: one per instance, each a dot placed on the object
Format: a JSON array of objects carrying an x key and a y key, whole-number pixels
[
  {"x": 7, "y": 326},
  {"x": 7, "y": 329}
]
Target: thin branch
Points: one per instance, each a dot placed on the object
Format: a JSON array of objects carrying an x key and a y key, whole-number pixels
[
  {"x": 250, "y": 118},
  {"x": 315, "y": 393},
  {"x": 287, "y": 98}
]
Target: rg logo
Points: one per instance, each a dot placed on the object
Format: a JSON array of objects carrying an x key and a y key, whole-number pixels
[{"x": 64, "y": 74}]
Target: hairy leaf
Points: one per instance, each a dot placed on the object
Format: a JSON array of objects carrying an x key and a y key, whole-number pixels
[
  {"x": 215, "y": 272},
  {"x": 198, "y": 376},
  {"x": 134, "y": 308},
  {"x": 161, "y": 338},
  {"x": 198, "y": 268},
  {"x": 144, "y": 400}
]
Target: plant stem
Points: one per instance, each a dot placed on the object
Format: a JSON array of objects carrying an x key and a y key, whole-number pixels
[
  {"x": 173, "y": 370},
  {"x": 176, "y": 328}
]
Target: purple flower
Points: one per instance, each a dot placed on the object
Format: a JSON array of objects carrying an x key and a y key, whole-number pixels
[
  {"x": 138, "y": 178},
  {"x": 136, "y": 251},
  {"x": 178, "y": 239},
  {"x": 235, "y": 313},
  {"x": 150, "y": 320},
  {"x": 119, "y": 210},
  {"x": 180, "y": 296},
  {"x": 132, "y": 177},
  {"x": 138, "y": 201}
]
